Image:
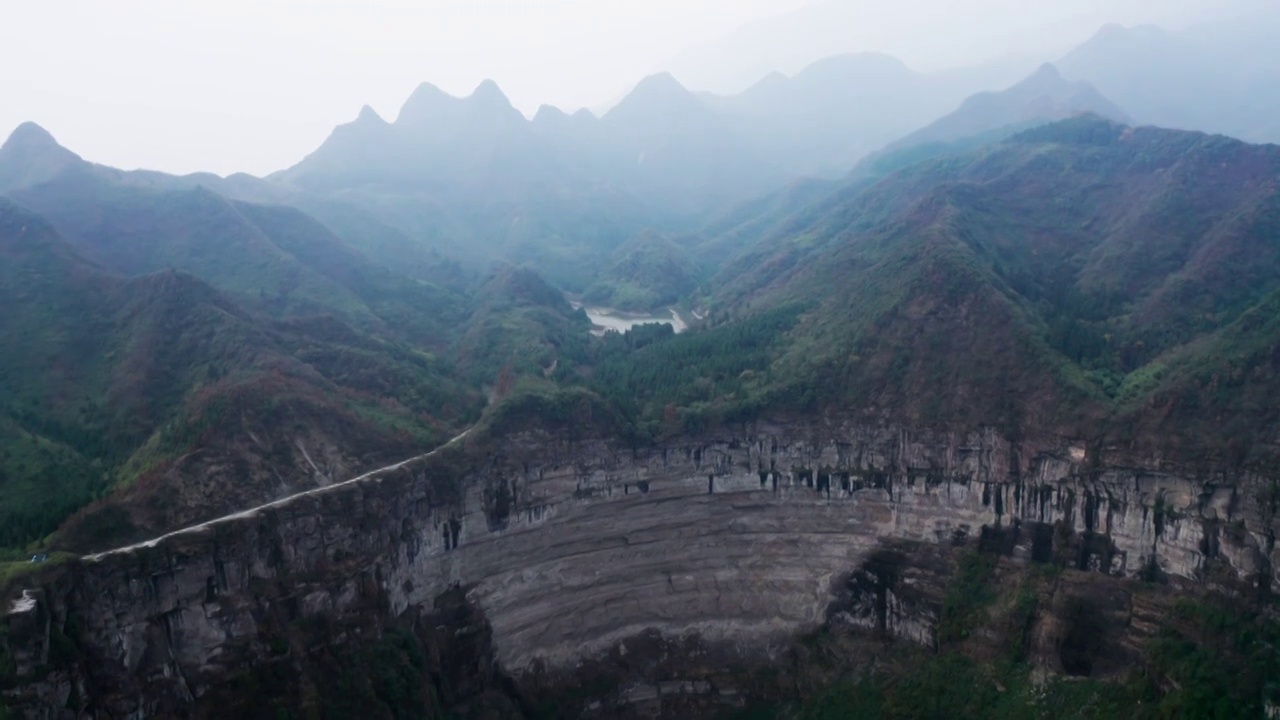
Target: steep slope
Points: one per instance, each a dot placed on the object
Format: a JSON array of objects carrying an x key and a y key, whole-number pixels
[
  {"x": 473, "y": 179},
  {"x": 718, "y": 242},
  {"x": 677, "y": 151},
  {"x": 982, "y": 437},
  {"x": 520, "y": 326},
  {"x": 52, "y": 342},
  {"x": 824, "y": 118},
  {"x": 170, "y": 402},
  {"x": 422, "y": 304},
  {"x": 1212, "y": 396},
  {"x": 437, "y": 142},
  {"x": 1054, "y": 278},
  {"x": 1042, "y": 98},
  {"x": 647, "y": 273},
  {"x": 1214, "y": 78},
  {"x": 31, "y": 156},
  {"x": 272, "y": 258}
]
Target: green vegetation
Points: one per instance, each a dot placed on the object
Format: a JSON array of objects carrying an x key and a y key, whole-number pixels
[
  {"x": 968, "y": 595},
  {"x": 667, "y": 382},
  {"x": 904, "y": 154},
  {"x": 952, "y": 685},
  {"x": 520, "y": 326},
  {"x": 1080, "y": 265},
  {"x": 383, "y": 680},
  {"x": 29, "y": 466},
  {"x": 1079, "y": 278},
  {"x": 567, "y": 412},
  {"x": 1210, "y": 658},
  {"x": 1220, "y": 662},
  {"x": 1076, "y": 266},
  {"x": 16, "y": 566},
  {"x": 108, "y": 382},
  {"x": 979, "y": 289},
  {"x": 648, "y": 273},
  {"x": 267, "y": 258}
]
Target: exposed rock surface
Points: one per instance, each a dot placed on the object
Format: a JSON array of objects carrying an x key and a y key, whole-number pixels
[{"x": 574, "y": 549}]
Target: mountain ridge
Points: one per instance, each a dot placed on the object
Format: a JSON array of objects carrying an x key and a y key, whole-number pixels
[
  {"x": 1047, "y": 231},
  {"x": 1041, "y": 98},
  {"x": 135, "y": 375},
  {"x": 31, "y": 156}
]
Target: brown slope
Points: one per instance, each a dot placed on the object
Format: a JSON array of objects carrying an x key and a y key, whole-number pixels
[
  {"x": 1040, "y": 278},
  {"x": 188, "y": 405}
]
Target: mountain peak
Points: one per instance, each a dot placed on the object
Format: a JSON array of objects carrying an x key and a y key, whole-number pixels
[
  {"x": 488, "y": 93},
  {"x": 550, "y": 114},
  {"x": 425, "y": 101},
  {"x": 1045, "y": 80},
  {"x": 31, "y": 156},
  {"x": 1047, "y": 71},
  {"x": 369, "y": 116},
  {"x": 659, "y": 94},
  {"x": 659, "y": 83},
  {"x": 1110, "y": 29},
  {"x": 31, "y": 135},
  {"x": 426, "y": 90},
  {"x": 1043, "y": 97}
]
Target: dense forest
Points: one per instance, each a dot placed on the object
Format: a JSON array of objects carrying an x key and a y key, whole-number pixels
[{"x": 1019, "y": 287}]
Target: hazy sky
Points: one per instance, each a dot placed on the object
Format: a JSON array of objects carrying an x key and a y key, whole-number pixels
[
  {"x": 933, "y": 34},
  {"x": 253, "y": 85}
]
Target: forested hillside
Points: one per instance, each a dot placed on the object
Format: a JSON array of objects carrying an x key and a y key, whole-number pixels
[
  {"x": 863, "y": 392},
  {"x": 164, "y": 399},
  {"x": 1084, "y": 266}
]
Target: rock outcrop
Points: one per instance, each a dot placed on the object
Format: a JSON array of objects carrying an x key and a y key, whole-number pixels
[{"x": 572, "y": 549}]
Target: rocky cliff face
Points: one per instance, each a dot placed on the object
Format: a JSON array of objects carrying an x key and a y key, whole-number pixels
[{"x": 574, "y": 554}]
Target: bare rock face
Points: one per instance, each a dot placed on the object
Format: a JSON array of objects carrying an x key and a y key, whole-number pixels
[{"x": 575, "y": 550}]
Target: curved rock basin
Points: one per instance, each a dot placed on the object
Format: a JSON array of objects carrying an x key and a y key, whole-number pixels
[{"x": 738, "y": 537}]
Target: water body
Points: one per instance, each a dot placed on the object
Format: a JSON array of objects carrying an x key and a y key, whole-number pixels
[{"x": 605, "y": 320}]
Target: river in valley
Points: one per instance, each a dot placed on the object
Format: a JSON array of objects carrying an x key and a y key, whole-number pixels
[{"x": 605, "y": 320}]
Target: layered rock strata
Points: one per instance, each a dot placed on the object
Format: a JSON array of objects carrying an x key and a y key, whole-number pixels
[{"x": 569, "y": 547}]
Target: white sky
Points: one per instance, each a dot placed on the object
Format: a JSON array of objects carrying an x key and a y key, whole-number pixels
[{"x": 254, "y": 85}]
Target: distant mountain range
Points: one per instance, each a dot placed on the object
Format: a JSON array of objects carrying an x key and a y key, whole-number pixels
[
  {"x": 1041, "y": 98},
  {"x": 472, "y": 179},
  {"x": 158, "y": 300},
  {"x": 273, "y": 257},
  {"x": 824, "y": 119},
  {"x": 168, "y": 349},
  {"x": 476, "y": 180},
  {"x": 185, "y": 403},
  {"x": 1022, "y": 303},
  {"x": 988, "y": 117},
  {"x": 1214, "y": 78},
  {"x": 926, "y": 33}
]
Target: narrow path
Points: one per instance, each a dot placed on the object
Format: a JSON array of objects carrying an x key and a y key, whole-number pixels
[{"x": 194, "y": 529}]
